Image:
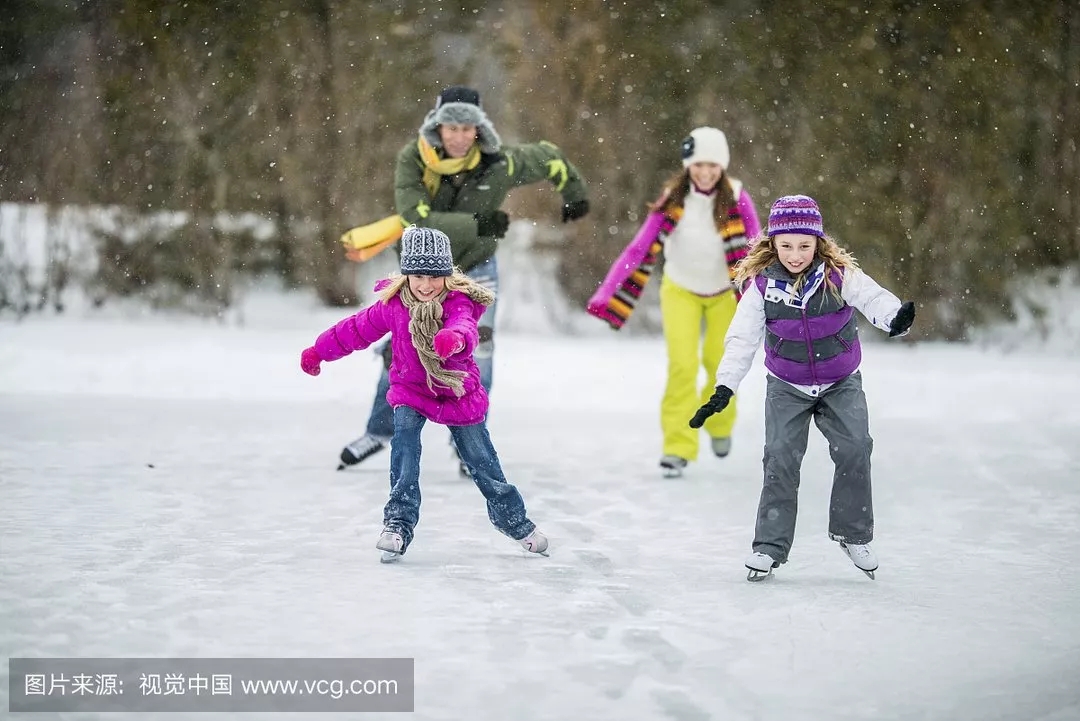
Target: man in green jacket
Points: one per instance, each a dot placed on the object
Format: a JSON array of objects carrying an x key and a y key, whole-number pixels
[{"x": 454, "y": 177}]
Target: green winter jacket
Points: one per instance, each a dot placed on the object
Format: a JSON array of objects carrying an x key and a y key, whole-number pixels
[{"x": 482, "y": 189}]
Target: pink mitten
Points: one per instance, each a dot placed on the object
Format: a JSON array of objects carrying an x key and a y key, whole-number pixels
[
  {"x": 448, "y": 342},
  {"x": 310, "y": 360}
]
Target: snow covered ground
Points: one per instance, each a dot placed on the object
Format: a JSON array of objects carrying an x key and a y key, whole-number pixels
[{"x": 168, "y": 489}]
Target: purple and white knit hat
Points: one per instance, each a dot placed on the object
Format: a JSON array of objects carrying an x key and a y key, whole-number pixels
[
  {"x": 795, "y": 214},
  {"x": 425, "y": 251}
]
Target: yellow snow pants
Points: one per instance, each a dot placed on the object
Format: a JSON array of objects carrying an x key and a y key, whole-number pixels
[{"x": 688, "y": 349}]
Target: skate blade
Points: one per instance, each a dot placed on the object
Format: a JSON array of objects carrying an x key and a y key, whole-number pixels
[
  {"x": 389, "y": 557},
  {"x": 671, "y": 473},
  {"x": 755, "y": 576},
  {"x": 869, "y": 573}
]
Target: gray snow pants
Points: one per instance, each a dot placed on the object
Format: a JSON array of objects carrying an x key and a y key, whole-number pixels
[{"x": 841, "y": 415}]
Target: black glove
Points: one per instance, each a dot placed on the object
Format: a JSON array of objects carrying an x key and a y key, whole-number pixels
[
  {"x": 718, "y": 402},
  {"x": 576, "y": 209},
  {"x": 493, "y": 223},
  {"x": 903, "y": 320}
]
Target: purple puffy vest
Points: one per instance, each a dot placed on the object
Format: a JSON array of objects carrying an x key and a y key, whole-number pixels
[{"x": 810, "y": 345}]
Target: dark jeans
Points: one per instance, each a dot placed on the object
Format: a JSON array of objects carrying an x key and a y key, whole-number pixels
[
  {"x": 506, "y": 508},
  {"x": 841, "y": 415},
  {"x": 381, "y": 420}
]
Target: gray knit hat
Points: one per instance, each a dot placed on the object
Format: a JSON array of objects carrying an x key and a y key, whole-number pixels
[
  {"x": 425, "y": 251},
  {"x": 459, "y": 105}
]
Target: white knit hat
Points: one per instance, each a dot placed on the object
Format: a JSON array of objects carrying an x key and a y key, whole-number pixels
[
  {"x": 706, "y": 145},
  {"x": 425, "y": 251}
]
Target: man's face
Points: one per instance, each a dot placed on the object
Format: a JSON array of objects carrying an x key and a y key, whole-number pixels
[{"x": 457, "y": 139}]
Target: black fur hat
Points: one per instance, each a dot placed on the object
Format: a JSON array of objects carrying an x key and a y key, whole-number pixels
[{"x": 460, "y": 105}]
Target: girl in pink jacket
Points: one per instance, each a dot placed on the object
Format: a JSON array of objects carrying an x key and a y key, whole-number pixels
[{"x": 431, "y": 312}]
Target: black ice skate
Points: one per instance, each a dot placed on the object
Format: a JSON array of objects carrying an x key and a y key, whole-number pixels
[{"x": 361, "y": 449}]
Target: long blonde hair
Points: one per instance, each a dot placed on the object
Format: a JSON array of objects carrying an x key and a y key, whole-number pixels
[
  {"x": 426, "y": 319},
  {"x": 763, "y": 254}
]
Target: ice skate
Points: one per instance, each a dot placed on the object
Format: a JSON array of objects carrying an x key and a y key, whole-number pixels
[
  {"x": 392, "y": 546},
  {"x": 672, "y": 466},
  {"x": 760, "y": 566},
  {"x": 721, "y": 446},
  {"x": 862, "y": 556},
  {"x": 535, "y": 542},
  {"x": 362, "y": 448}
]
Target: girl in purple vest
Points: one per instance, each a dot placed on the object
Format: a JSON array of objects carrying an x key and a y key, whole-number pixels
[
  {"x": 431, "y": 312},
  {"x": 800, "y": 295}
]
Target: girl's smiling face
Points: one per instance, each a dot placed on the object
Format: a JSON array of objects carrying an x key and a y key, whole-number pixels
[
  {"x": 705, "y": 175},
  {"x": 427, "y": 287},
  {"x": 795, "y": 250}
]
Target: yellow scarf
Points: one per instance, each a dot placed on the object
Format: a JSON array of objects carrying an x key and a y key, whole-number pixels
[{"x": 436, "y": 167}]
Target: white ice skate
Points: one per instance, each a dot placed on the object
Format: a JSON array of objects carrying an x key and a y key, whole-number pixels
[
  {"x": 535, "y": 542},
  {"x": 672, "y": 466},
  {"x": 391, "y": 544},
  {"x": 760, "y": 565},
  {"x": 721, "y": 447},
  {"x": 862, "y": 556}
]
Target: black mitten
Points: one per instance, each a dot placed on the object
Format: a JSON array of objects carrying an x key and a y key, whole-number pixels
[
  {"x": 574, "y": 210},
  {"x": 903, "y": 320},
  {"x": 493, "y": 223},
  {"x": 718, "y": 402}
]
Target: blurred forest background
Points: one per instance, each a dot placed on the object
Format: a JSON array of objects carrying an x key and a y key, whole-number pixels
[{"x": 941, "y": 139}]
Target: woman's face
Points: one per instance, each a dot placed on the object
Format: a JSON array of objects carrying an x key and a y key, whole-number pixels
[
  {"x": 457, "y": 139},
  {"x": 795, "y": 250},
  {"x": 427, "y": 287},
  {"x": 705, "y": 175}
]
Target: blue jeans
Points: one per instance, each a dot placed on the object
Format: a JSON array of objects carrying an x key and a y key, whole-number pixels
[
  {"x": 381, "y": 420},
  {"x": 505, "y": 506}
]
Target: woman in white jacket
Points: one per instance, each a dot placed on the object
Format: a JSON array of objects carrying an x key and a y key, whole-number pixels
[{"x": 714, "y": 218}]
